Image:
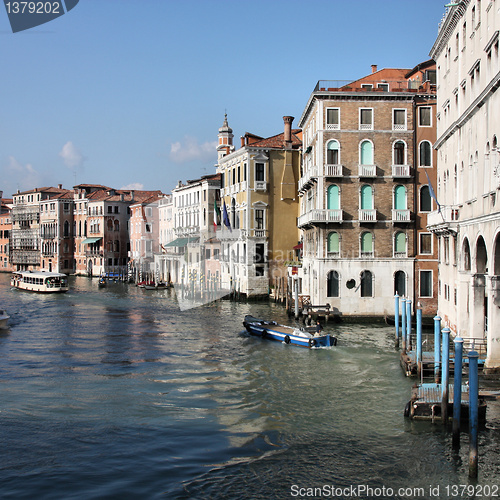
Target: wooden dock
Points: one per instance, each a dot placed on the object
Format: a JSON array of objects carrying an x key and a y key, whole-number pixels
[{"x": 425, "y": 403}]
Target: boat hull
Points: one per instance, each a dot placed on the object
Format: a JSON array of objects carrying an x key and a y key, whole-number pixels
[{"x": 270, "y": 330}]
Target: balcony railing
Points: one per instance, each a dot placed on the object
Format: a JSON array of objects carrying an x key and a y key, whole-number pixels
[
  {"x": 333, "y": 170},
  {"x": 317, "y": 216},
  {"x": 308, "y": 176},
  {"x": 260, "y": 233},
  {"x": 400, "y": 255},
  {"x": 399, "y": 126},
  {"x": 446, "y": 217},
  {"x": 366, "y": 126},
  {"x": 367, "y": 215},
  {"x": 399, "y": 215},
  {"x": 401, "y": 171},
  {"x": 367, "y": 170}
]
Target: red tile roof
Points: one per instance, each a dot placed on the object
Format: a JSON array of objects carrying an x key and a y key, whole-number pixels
[{"x": 278, "y": 141}]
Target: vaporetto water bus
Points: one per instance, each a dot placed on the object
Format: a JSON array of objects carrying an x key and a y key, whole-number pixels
[{"x": 40, "y": 281}]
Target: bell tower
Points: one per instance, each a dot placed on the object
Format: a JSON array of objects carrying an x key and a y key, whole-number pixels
[{"x": 225, "y": 144}]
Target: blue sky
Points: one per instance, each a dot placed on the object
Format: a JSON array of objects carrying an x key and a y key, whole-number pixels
[{"x": 131, "y": 93}]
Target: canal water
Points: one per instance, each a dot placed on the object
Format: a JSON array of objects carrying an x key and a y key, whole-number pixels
[{"x": 116, "y": 393}]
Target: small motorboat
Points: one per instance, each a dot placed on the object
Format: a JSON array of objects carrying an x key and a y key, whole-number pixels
[
  {"x": 102, "y": 282},
  {"x": 288, "y": 334},
  {"x": 4, "y": 318}
]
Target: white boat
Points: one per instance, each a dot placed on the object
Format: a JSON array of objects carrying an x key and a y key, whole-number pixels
[
  {"x": 4, "y": 318},
  {"x": 40, "y": 281}
]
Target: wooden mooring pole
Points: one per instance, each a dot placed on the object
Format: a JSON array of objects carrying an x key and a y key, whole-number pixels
[
  {"x": 457, "y": 391},
  {"x": 445, "y": 375},
  {"x": 419, "y": 342},
  {"x": 396, "y": 318},
  {"x": 403, "y": 323},
  {"x": 473, "y": 413},
  {"x": 437, "y": 347},
  {"x": 408, "y": 324}
]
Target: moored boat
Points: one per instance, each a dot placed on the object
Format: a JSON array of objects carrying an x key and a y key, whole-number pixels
[
  {"x": 4, "y": 318},
  {"x": 271, "y": 330},
  {"x": 40, "y": 281}
]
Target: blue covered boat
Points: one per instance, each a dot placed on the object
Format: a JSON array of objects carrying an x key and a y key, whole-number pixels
[{"x": 271, "y": 330}]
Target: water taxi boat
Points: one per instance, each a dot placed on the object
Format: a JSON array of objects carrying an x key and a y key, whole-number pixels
[
  {"x": 40, "y": 281},
  {"x": 288, "y": 334},
  {"x": 4, "y": 318}
]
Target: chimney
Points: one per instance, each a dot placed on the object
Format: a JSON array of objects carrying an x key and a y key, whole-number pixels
[
  {"x": 242, "y": 141},
  {"x": 132, "y": 194},
  {"x": 287, "y": 136},
  {"x": 374, "y": 68},
  {"x": 59, "y": 186}
]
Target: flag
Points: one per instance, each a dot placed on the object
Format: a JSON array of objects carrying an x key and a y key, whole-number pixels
[
  {"x": 226, "y": 217},
  {"x": 216, "y": 214},
  {"x": 432, "y": 193}
]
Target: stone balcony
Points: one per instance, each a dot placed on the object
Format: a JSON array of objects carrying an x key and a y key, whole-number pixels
[
  {"x": 318, "y": 216},
  {"x": 444, "y": 220}
]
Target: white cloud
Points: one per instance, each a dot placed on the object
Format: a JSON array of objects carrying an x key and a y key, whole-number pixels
[
  {"x": 18, "y": 176},
  {"x": 71, "y": 156},
  {"x": 189, "y": 150},
  {"x": 134, "y": 185}
]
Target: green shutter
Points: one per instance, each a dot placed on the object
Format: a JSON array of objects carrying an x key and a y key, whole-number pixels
[
  {"x": 366, "y": 153},
  {"x": 367, "y": 242},
  {"x": 333, "y": 242},
  {"x": 366, "y": 197},
  {"x": 333, "y": 197},
  {"x": 400, "y": 242},
  {"x": 400, "y": 198}
]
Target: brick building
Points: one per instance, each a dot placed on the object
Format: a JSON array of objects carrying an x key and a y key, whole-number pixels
[{"x": 358, "y": 189}]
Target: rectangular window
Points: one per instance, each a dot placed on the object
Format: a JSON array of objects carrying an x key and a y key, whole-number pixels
[
  {"x": 424, "y": 116},
  {"x": 259, "y": 172},
  {"x": 259, "y": 219},
  {"x": 110, "y": 209},
  {"x": 399, "y": 119},
  {"x": 425, "y": 243},
  {"x": 333, "y": 119},
  {"x": 425, "y": 284},
  {"x": 383, "y": 86},
  {"x": 367, "y": 86},
  {"x": 366, "y": 119}
]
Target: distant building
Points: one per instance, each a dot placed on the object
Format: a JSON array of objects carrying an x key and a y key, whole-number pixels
[
  {"x": 259, "y": 207},
  {"x": 468, "y": 189},
  {"x": 361, "y": 176},
  {"x": 5, "y": 232},
  {"x": 25, "y": 241}
]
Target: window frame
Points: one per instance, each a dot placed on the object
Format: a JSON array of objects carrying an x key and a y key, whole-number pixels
[
  {"x": 420, "y": 246},
  {"x": 366, "y": 126},
  {"x": 428, "y": 272},
  {"x": 420, "y": 109},
  {"x": 404, "y": 126},
  {"x": 332, "y": 126}
]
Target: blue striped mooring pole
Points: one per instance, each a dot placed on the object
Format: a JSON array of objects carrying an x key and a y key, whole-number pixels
[
  {"x": 419, "y": 341},
  {"x": 437, "y": 347},
  {"x": 408, "y": 323},
  {"x": 396, "y": 317},
  {"x": 457, "y": 390},
  {"x": 445, "y": 375},
  {"x": 473, "y": 412},
  {"x": 403, "y": 323}
]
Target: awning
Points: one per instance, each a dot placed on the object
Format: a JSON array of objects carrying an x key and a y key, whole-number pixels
[
  {"x": 180, "y": 242},
  {"x": 87, "y": 241}
]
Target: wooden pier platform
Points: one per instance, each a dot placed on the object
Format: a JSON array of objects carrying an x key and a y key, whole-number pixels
[{"x": 425, "y": 404}]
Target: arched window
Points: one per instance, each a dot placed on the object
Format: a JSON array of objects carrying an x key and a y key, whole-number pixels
[
  {"x": 367, "y": 244},
  {"x": 333, "y": 197},
  {"x": 332, "y": 284},
  {"x": 333, "y": 244},
  {"x": 425, "y": 156},
  {"x": 466, "y": 255},
  {"x": 400, "y": 244},
  {"x": 400, "y": 198},
  {"x": 333, "y": 153},
  {"x": 110, "y": 225},
  {"x": 366, "y": 201},
  {"x": 400, "y": 283},
  {"x": 66, "y": 228},
  {"x": 366, "y": 153},
  {"x": 117, "y": 246},
  {"x": 117, "y": 225},
  {"x": 366, "y": 284},
  {"x": 481, "y": 256},
  {"x": 425, "y": 199},
  {"x": 399, "y": 153}
]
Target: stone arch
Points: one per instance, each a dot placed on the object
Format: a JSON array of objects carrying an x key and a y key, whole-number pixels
[
  {"x": 496, "y": 255},
  {"x": 481, "y": 256}
]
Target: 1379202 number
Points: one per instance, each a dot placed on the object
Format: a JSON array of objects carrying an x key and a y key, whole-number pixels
[
  {"x": 475, "y": 490},
  {"x": 33, "y": 7}
]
